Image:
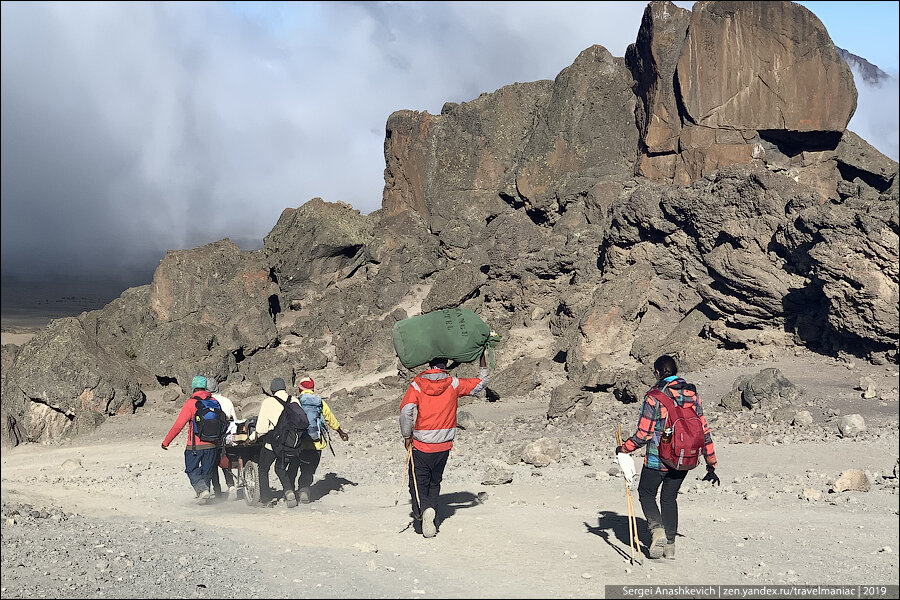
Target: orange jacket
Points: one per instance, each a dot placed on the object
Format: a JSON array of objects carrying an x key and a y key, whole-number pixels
[{"x": 428, "y": 409}]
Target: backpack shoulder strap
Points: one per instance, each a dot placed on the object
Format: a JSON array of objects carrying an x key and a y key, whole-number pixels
[
  {"x": 664, "y": 399},
  {"x": 661, "y": 397}
]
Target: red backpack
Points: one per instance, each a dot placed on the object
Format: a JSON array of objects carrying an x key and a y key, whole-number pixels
[{"x": 682, "y": 441}]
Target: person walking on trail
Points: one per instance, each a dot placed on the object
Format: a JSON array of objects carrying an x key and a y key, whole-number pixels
[
  {"x": 428, "y": 426},
  {"x": 270, "y": 426},
  {"x": 316, "y": 440},
  {"x": 212, "y": 386},
  {"x": 652, "y": 432},
  {"x": 200, "y": 457}
]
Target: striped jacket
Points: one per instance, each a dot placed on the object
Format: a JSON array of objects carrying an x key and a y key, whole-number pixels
[
  {"x": 653, "y": 420},
  {"x": 428, "y": 409}
]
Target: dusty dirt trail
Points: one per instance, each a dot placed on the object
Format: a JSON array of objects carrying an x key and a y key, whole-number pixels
[{"x": 560, "y": 531}]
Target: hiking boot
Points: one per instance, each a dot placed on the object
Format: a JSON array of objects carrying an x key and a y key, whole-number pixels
[
  {"x": 304, "y": 496},
  {"x": 203, "y": 497},
  {"x": 669, "y": 551},
  {"x": 428, "y": 528},
  {"x": 658, "y": 543},
  {"x": 290, "y": 499}
]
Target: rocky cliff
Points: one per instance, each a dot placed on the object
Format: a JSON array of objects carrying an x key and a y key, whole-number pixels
[{"x": 701, "y": 194}]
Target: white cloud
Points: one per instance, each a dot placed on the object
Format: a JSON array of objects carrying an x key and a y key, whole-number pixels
[
  {"x": 129, "y": 128},
  {"x": 877, "y": 116}
]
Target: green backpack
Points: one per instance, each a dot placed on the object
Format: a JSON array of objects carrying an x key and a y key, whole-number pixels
[{"x": 457, "y": 334}]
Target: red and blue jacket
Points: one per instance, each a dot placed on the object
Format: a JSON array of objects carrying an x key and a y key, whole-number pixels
[{"x": 653, "y": 421}]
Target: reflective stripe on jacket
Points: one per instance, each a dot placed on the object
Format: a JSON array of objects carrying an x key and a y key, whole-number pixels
[{"x": 428, "y": 408}]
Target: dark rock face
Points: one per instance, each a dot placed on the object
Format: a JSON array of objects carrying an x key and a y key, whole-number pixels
[
  {"x": 718, "y": 84},
  {"x": 734, "y": 73},
  {"x": 652, "y": 60},
  {"x": 319, "y": 243},
  {"x": 63, "y": 382},
  {"x": 700, "y": 194}
]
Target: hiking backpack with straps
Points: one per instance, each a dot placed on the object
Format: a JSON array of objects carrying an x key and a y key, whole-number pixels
[
  {"x": 210, "y": 421},
  {"x": 312, "y": 406},
  {"x": 288, "y": 431},
  {"x": 682, "y": 442}
]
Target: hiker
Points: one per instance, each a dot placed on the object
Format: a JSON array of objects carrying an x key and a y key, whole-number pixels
[
  {"x": 652, "y": 432},
  {"x": 428, "y": 426},
  {"x": 281, "y": 423},
  {"x": 212, "y": 386},
  {"x": 319, "y": 414},
  {"x": 201, "y": 453}
]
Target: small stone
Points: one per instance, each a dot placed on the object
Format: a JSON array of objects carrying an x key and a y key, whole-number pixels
[
  {"x": 851, "y": 425},
  {"x": 852, "y": 480},
  {"x": 802, "y": 418},
  {"x": 71, "y": 464},
  {"x": 811, "y": 495}
]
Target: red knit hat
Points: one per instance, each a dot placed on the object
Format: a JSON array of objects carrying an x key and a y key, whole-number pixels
[{"x": 306, "y": 384}]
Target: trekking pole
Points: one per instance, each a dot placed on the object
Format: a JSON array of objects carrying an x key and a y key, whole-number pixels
[
  {"x": 632, "y": 520},
  {"x": 328, "y": 439},
  {"x": 412, "y": 465},
  {"x": 403, "y": 478}
]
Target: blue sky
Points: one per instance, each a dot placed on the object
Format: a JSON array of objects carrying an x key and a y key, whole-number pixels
[
  {"x": 868, "y": 29},
  {"x": 129, "y": 128}
]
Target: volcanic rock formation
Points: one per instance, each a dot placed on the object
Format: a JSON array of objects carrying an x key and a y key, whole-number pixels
[{"x": 701, "y": 193}]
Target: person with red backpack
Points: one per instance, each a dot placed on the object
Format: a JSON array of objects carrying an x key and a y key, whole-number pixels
[
  {"x": 207, "y": 424},
  {"x": 674, "y": 430}
]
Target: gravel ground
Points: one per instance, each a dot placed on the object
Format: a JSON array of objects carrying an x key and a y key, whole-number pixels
[{"x": 109, "y": 514}]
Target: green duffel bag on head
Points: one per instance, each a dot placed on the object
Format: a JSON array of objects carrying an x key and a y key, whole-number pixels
[{"x": 456, "y": 333}]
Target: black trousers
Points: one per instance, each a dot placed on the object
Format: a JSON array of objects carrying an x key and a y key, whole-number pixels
[
  {"x": 671, "y": 481},
  {"x": 426, "y": 470},
  {"x": 309, "y": 462},
  {"x": 285, "y": 468}
]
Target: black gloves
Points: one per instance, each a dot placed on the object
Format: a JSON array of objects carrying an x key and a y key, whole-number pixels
[
  {"x": 618, "y": 450},
  {"x": 711, "y": 475}
]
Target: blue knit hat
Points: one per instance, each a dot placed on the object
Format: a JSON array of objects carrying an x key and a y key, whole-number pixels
[{"x": 198, "y": 382}]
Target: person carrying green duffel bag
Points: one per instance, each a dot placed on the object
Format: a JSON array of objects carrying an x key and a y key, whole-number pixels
[{"x": 456, "y": 334}]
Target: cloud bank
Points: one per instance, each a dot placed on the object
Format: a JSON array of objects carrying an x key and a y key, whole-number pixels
[{"x": 132, "y": 128}]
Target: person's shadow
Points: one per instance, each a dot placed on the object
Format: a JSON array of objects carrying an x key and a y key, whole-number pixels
[
  {"x": 330, "y": 483},
  {"x": 448, "y": 505},
  {"x": 618, "y": 525}
]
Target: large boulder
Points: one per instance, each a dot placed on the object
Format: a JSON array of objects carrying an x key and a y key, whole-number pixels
[
  {"x": 736, "y": 83},
  {"x": 317, "y": 244},
  {"x": 63, "y": 382},
  {"x": 734, "y": 72}
]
